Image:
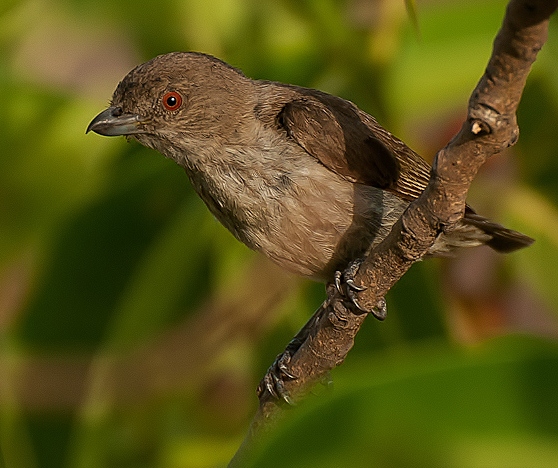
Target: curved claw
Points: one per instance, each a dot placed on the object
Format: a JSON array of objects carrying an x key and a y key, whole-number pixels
[
  {"x": 345, "y": 285},
  {"x": 281, "y": 364},
  {"x": 282, "y": 393},
  {"x": 274, "y": 379},
  {"x": 379, "y": 311},
  {"x": 346, "y": 277},
  {"x": 352, "y": 297},
  {"x": 354, "y": 287},
  {"x": 338, "y": 276}
]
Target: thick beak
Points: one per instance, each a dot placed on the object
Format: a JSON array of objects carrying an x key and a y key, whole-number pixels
[{"x": 113, "y": 122}]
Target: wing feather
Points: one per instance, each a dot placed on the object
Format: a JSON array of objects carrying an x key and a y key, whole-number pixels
[{"x": 352, "y": 144}]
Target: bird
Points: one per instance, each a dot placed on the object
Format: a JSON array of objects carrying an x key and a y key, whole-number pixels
[{"x": 304, "y": 177}]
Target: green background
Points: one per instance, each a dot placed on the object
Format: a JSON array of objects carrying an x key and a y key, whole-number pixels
[{"x": 134, "y": 328}]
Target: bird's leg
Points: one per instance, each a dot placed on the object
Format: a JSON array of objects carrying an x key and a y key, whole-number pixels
[
  {"x": 342, "y": 291},
  {"x": 346, "y": 286},
  {"x": 278, "y": 372}
]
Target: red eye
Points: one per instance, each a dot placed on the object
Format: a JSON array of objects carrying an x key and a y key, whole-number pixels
[{"x": 172, "y": 101}]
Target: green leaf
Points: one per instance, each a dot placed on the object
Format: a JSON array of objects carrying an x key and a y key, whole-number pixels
[{"x": 430, "y": 406}]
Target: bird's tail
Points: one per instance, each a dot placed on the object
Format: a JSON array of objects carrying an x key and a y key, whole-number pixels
[
  {"x": 475, "y": 230},
  {"x": 501, "y": 239}
]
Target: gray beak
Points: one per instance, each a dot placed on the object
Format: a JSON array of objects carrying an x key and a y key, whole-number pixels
[{"x": 113, "y": 122}]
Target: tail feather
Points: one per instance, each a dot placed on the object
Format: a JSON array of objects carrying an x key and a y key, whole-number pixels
[
  {"x": 501, "y": 239},
  {"x": 474, "y": 230}
]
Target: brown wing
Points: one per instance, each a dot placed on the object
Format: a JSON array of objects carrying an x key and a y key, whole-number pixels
[{"x": 352, "y": 144}]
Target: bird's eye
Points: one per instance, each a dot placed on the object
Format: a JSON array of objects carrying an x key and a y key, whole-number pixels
[{"x": 172, "y": 101}]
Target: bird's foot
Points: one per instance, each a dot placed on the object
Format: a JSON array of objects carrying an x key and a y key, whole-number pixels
[
  {"x": 278, "y": 373},
  {"x": 345, "y": 285},
  {"x": 274, "y": 379}
]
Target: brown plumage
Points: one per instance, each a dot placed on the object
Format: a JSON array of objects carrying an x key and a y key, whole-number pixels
[{"x": 302, "y": 176}]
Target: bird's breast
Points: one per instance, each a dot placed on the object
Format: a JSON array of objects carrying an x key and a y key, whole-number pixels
[{"x": 285, "y": 204}]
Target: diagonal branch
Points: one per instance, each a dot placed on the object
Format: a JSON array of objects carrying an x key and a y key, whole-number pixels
[{"x": 490, "y": 127}]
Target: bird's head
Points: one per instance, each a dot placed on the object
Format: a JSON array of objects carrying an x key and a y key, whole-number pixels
[{"x": 179, "y": 96}]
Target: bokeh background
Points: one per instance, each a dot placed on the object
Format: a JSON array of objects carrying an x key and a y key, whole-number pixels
[{"x": 134, "y": 328}]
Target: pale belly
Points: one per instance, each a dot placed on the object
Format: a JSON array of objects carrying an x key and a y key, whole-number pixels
[
  {"x": 326, "y": 229},
  {"x": 305, "y": 218}
]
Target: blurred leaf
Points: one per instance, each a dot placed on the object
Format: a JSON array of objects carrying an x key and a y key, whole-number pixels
[
  {"x": 94, "y": 256},
  {"x": 434, "y": 409},
  {"x": 50, "y": 434},
  {"x": 535, "y": 215},
  {"x": 172, "y": 276},
  {"x": 536, "y": 117},
  {"x": 444, "y": 67},
  {"x": 411, "y": 6}
]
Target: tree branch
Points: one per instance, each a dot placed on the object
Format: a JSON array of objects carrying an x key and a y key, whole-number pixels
[{"x": 490, "y": 127}]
